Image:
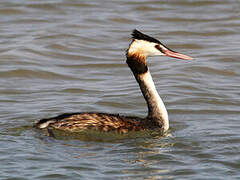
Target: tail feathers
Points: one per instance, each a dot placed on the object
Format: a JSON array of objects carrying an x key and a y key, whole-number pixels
[{"x": 44, "y": 123}]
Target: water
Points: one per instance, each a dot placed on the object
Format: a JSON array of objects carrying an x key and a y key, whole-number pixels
[{"x": 61, "y": 56}]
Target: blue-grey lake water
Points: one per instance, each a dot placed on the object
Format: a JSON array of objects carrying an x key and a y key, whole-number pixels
[{"x": 59, "y": 56}]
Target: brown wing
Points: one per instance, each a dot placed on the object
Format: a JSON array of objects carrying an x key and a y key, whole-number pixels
[{"x": 95, "y": 121}]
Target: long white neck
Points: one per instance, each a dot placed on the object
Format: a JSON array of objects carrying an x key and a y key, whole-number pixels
[{"x": 156, "y": 108}]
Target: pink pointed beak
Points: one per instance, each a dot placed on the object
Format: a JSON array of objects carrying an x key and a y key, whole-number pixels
[{"x": 173, "y": 54}]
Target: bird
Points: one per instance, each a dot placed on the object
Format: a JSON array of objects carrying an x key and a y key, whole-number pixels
[{"x": 140, "y": 47}]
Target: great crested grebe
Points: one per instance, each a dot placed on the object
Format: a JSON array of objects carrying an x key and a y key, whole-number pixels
[{"x": 139, "y": 49}]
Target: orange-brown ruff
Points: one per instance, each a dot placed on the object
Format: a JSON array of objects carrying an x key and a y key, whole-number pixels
[{"x": 139, "y": 49}]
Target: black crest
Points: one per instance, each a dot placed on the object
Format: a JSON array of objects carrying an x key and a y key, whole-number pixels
[{"x": 138, "y": 35}]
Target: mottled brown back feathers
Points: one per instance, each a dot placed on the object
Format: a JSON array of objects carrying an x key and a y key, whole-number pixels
[{"x": 97, "y": 121}]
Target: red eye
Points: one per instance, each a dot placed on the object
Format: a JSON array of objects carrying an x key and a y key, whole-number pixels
[{"x": 159, "y": 48}]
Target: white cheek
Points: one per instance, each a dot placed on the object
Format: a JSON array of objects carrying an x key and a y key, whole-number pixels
[
  {"x": 152, "y": 51},
  {"x": 156, "y": 53},
  {"x": 149, "y": 49},
  {"x": 145, "y": 48}
]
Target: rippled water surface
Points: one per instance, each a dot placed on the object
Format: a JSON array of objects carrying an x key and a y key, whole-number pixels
[{"x": 61, "y": 56}]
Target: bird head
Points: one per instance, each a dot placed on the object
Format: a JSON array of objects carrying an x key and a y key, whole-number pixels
[{"x": 144, "y": 46}]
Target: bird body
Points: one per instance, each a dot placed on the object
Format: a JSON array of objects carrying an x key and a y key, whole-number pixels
[
  {"x": 139, "y": 49},
  {"x": 75, "y": 122}
]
